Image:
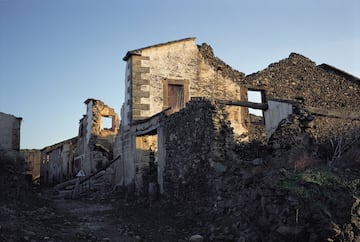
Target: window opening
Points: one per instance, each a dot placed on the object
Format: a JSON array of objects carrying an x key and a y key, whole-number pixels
[
  {"x": 255, "y": 97},
  {"x": 106, "y": 122}
]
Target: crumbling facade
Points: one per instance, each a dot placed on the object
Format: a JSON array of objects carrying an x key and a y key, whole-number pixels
[
  {"x": 9, "y": 132},
  {"x": 90, "y": 151},
  {"x": 330, "y": 94},
  {"x": 186, "y": 113},
  {"x": 97, "y": 131},
  {"x": 57, "y": 162},
  {"x": 160, "y": 80}
]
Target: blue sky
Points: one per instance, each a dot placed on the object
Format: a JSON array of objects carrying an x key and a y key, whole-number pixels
[{"x": 54, "y": 54}]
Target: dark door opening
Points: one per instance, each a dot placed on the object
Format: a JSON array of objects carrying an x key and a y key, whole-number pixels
[{"x": 176, "y": 96}]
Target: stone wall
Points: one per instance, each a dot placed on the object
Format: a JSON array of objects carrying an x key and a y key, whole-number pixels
[
  {"x": 90, "y": 151},
  {"x": 297, "y": 77},
  {"x": 182, "y": 63},
  {"x": 95, "y": 145},
  {"x": 197, "y": 142},
  {"x": 124, "y": 168},
  {"x": 9, "y": 132},
  {"x": 57, "y": 162}
]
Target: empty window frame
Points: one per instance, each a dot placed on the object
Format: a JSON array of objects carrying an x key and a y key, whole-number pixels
[
  {"x": 256, "y": 96},
  {"x": 107, "y": 122}
]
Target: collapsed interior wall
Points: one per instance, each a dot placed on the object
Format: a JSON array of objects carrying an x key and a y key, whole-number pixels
[
  {"x": 90, "y": 151},
  {"x": 95, "y": 145}
]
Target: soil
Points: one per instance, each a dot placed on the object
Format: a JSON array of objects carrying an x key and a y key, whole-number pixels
[{"x": 91, "y": 218}]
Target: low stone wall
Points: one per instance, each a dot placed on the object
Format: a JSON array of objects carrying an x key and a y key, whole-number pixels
[{"x": 197, "y": 140}]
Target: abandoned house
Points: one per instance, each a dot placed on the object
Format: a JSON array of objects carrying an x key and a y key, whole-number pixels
[
  {"x": 185, "y": 110},
  {"x": 9, "y": 132},
  {"x": 89, "y": 151},
  {"x": 57, "y": 162},
  {"x": 160, "y": 80}
]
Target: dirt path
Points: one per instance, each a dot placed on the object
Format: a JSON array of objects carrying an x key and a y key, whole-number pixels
[
  {"x": 94, "y": 218},
  {"x": 85, "y": 220}
]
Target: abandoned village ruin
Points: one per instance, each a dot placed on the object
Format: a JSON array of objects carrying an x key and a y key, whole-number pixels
[
  {"x": 186, "y": 128},
  {"x": 185, "y": 107}
]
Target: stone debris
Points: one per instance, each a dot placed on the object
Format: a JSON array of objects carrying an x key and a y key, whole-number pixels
[{"x": 196, "y": 238}]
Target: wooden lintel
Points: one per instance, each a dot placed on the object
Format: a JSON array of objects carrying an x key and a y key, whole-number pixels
[{"x": 262, "y": 106}]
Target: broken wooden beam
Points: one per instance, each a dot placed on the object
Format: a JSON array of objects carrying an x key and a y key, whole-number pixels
[{"x": 334, "y": 113}]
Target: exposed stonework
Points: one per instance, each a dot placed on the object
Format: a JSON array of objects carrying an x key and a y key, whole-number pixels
[
  {"x": 227, "y": 71},
  {"x": 90, "y": 151},
  {"x": 165, "y": 77},
  {"x": 197, "y": 139},
  {"x": 297, "y": 77},
  {"x": 156, "y": 74},
  {"x": 9, "y": 132},
  {"x": 94, "y": 147},
  {"x": 289, "y": 89}
]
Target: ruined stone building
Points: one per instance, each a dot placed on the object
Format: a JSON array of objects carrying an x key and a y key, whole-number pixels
[
  {"x": 185, "y": 112},
  {"x": 160, "y": 80},
  {"x": 57, "y": 162},
  {"x": 89, "y": 151},
  {"x": 9, "y": 132},
  {"x": 97, "y": 131}
]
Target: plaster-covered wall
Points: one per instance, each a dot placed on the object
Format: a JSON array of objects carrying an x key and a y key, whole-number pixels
[
  {"x": 33, "y": 159},
  {"x": 276, "y": 112},
  {"x": 9, "y": 132},
  {"x": 57, "y": 162},
  {"x": 181, "y": 63}
]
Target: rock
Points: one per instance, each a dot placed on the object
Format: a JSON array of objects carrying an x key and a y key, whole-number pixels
[
  {"x": 29, "y": 233},
  {"x": 196, "y": 238},
  {"x": 220, "y": 168},
  {"x": 289, "y": 230},
  {"x": 257, "y": 162}
]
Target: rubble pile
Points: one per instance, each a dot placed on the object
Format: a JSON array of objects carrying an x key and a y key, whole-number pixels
[
  {"x": 299, "y": 78},
  {"x": 250, "y": 191},
  {"x": 227, "y": 71}
]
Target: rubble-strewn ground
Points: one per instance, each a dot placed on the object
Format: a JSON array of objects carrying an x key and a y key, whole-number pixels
[
  {"x": 314, "y": 204},
  {"x": 254, "y": 200}
]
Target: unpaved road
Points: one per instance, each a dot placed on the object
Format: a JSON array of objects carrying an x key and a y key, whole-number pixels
[{"x": 90, "y": 221}]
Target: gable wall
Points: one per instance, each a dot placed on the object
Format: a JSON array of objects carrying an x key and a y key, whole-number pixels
[{"x": 178, "y": 63}]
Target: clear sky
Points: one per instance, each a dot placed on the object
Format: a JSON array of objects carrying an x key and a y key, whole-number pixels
[{"x": 54, "y": 54}]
